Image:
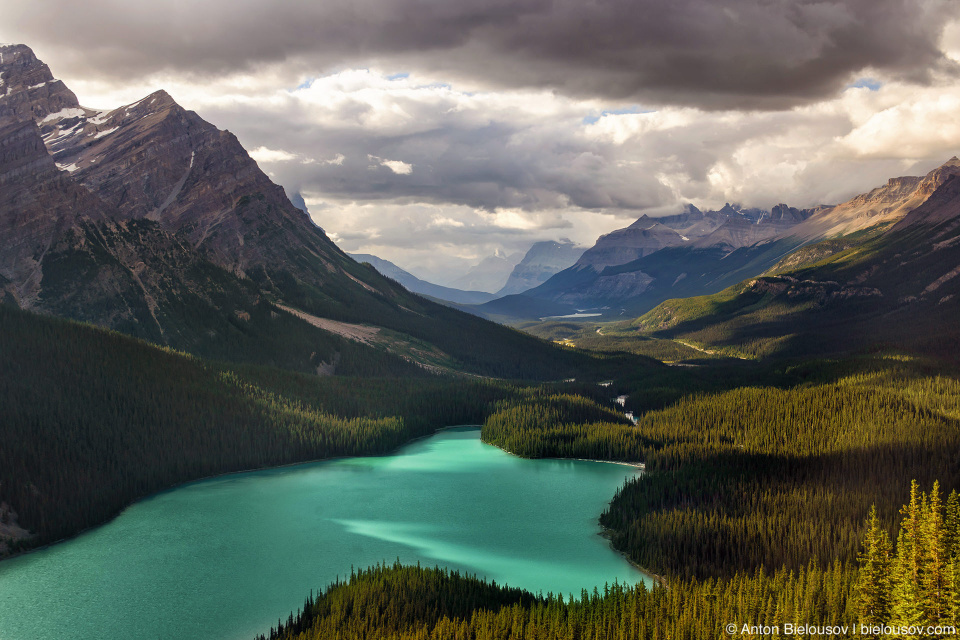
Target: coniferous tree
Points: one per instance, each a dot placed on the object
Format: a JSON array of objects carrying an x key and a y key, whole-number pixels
[
  {"x": 874, "y": 581},
  {"x": 906, "y": 610},
  {"x": 933, "y": 579}
]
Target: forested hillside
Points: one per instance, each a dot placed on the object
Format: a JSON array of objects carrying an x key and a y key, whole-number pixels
[
  {"x": 774, "y": 472},
  {"x": 753, "y": 510},
  {"x": 913, "y": 591},
  {"x": 93, "y": 420}
]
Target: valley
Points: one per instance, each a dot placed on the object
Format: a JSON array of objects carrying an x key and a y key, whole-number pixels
[{"x": 214, "y": 417}]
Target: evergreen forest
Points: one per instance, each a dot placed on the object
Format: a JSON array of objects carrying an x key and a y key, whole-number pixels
[
  {"x": 773, "y": 491},
  {"x": 913, "y": 591}
]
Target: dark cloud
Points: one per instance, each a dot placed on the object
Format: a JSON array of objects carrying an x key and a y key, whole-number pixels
[
  {"x": 758, "y": 54},
  {"x": 484, "y": 165}
]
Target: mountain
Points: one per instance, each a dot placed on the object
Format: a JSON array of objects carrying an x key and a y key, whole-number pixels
[
  {"x": 541, "y": 261},
  {"x": 30, "y": 92},
  {"x": 416, "y": 285},
  {"x": 641, "y": 238},
  {"x": 893, "y": 284},
  {"x": 490, "y": 274},
  {"x": 149, "y": 220},
  {"x": 633, "y": 269},
  {"x": 297, "y": 200},
  {"x": 886, "y": 203}
]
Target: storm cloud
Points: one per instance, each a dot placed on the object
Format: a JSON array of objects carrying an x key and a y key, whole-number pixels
[
  {"x": 755, "y": 54},
  {"x": 435, "y": 132}
]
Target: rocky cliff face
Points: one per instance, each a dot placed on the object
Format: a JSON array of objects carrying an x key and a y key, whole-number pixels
[
  {"x": 38, "y": 204},
  {"x": 28, "y": 91},
  {"x": 941, "y": 209},
  {"x": 887, "y": 203},
  {"x": 154, "y": 159}
]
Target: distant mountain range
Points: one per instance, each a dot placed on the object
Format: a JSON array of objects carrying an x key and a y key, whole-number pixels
[
  {"x": 541, "y": 261},
  {"x": 490, "y": 274},
  {"x": 416, "y": 285},
  {"x": 149, "y": 220},
  {"x": 888, "y": 278},
  {"x": 631, "y": 270}
]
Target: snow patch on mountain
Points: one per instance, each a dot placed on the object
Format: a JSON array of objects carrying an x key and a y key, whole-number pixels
[{"x": 64, "y": 114}]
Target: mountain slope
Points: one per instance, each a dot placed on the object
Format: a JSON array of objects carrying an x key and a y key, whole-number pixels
[
  {"x": 892, "y": 285},
  {"x": 152, "y": 221}
]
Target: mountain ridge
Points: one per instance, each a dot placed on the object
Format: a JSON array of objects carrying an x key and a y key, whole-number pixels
[
  {"x": 149, "y": 220},
  {"x": 893, "y": 284}
]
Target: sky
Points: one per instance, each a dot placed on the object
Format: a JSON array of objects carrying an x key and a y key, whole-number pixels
[{"x": 433, "y": 133}]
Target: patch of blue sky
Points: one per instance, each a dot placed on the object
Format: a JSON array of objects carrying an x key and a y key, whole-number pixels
[
  {"x": 398, "y": 76},
  {"x": 594, "y": 116},
  {"x": 305, "y": 84},
  {"x": 865, "y": 83}
]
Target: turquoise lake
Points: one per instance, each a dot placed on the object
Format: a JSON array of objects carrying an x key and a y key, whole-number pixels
[{"x": 224, "y": 558}]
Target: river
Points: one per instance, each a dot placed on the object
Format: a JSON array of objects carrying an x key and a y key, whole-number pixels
[{"x": 224, "y": 558}]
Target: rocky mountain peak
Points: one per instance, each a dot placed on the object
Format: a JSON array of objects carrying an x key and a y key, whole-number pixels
[
  {"x": 728, "y": 209},
  {"x": 933, "y": 180},
  {"x": 156, "y": 102},
  {"x": 788, "y": 214},
  {"x": 544, "y": 259},
  {"x": 643, "y": 222},
  {"x": 28, "y": 90}
]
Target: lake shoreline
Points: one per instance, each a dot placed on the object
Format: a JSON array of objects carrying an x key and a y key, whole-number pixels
[
  {"x": 22, "y": 552},
  {"x": 262, "y": 526},
  {"x": 607, "y": 534}
]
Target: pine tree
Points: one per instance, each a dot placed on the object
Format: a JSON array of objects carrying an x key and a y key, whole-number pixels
[
  {"x": 906, "y": 610},
  {"x": 951, "y": 525},
  {"x": 933, "y": 559},
  {"x": 875, "y": 569}
]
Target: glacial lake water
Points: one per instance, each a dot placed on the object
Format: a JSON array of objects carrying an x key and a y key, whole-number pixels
[{"x": 224, "y": 558}]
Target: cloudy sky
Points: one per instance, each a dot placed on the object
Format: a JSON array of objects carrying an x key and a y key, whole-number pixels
[{"x": 434, "y": 132}]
